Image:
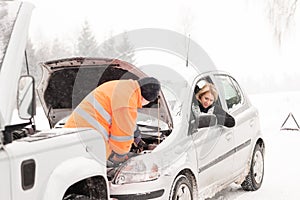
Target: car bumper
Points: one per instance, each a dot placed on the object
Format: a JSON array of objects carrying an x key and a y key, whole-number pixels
[
  {"x": 158, "y": 189},
  {"x": 139, "y": 196}
]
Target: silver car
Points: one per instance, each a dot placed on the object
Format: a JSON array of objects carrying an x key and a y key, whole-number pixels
[{"x": 178, "y": 160}]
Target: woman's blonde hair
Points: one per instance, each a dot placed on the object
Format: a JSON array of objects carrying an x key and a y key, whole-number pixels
[{"x": 208, "y": 87}]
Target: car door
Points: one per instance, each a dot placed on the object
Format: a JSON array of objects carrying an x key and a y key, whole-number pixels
[
  {"x": 244, "y": 115},
  {"x": 213, "y": 145},
  {"x": 5, "y": 175}
]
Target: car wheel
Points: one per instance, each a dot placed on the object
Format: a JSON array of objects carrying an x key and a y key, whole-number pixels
[
  {"x": 82, "y": 198},
  {"x": 181, "y": 189},
  {"x": 77, "y": 197},
  {"x": 254, "y": 179}
]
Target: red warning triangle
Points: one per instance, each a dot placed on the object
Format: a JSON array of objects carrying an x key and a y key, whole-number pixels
[{"x": 290, "y": 123}]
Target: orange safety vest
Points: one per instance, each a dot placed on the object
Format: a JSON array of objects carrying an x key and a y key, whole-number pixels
[{"x": 110, "y": 109}]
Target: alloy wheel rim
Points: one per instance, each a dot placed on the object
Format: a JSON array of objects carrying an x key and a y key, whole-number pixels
[
  {"x": 258, "y": 167},
  {"x": 183, "y": 193}
]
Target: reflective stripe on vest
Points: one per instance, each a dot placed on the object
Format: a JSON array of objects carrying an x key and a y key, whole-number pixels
[
  {"x": 91, "y": 99},
  {"x": 121, "y": 138},
  {"x": 92, "y": 121}
]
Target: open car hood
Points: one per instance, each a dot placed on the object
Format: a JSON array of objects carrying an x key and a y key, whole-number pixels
[
  {"x": 66, "y": 82},
  {"x": 14, "y": 24}
]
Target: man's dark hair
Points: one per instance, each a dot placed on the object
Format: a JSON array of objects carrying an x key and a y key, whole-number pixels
[{"x": 150, "y": 88}]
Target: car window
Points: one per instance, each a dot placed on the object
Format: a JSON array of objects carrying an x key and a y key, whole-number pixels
[
  {"x": 232, "y": 92},
  {"x": 200, "y": 84},
  {"x": 148, "y": 119},
  {"x": 172, "y": 99},
  {"x": 195, "y": 109}
]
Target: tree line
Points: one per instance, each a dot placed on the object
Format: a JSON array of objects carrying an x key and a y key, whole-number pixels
[{"x": 86, "y": 45}]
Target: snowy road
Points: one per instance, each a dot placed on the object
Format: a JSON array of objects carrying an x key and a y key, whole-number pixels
[{"x": 282, "y": 160}]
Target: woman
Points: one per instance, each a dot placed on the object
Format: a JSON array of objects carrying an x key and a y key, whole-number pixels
[{"x": 207, "y": 97}]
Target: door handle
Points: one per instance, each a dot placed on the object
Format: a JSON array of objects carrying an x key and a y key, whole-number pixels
[
  {"x": 228, "y": 136},
  {"x": 251, "y": 123}
]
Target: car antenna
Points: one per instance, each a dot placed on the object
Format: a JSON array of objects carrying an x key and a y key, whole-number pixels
[{"x": 187, "y": 52}]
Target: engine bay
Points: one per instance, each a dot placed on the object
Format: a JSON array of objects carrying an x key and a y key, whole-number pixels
[{"x": 151, "y": 137}]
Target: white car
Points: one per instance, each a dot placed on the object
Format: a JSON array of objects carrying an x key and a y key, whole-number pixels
[
  {"x": 178, "y": 160},
  {"x": 52, "y": 164}
]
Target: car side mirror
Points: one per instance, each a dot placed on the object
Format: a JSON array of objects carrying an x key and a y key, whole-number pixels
[
  {"x": 207, "y": 120},
  {"x": 26, "y": 97}
]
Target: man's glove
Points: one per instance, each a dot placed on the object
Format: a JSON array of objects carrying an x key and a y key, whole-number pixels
[
  {"x": 137, "y": 137},
  {"x": 142, "y": 144},
  {"x": 116, "y": 159},
  {"x": 138, "y": 142}
]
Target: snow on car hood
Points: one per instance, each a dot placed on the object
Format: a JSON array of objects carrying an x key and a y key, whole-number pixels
[{"x": 66, "y": 82}]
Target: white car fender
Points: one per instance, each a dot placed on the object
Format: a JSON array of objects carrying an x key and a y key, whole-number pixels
[
  {"x": 184, "y": 161},
  {"x": 247, "y": 168},
  {"x": 70, "y": 172},
  {"x": 257, "y": 137}
]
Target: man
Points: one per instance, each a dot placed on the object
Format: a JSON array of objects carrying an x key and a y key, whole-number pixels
[{"x": 111, "y": 109}]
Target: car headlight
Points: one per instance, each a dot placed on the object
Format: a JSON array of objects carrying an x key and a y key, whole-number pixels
[{"x": 134, "y": 171}]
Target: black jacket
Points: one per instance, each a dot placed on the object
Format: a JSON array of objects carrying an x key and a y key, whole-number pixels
[{"x": 223, "y": 117}]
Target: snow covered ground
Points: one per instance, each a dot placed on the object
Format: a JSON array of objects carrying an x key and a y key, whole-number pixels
[{"x": 282, "y": 161}]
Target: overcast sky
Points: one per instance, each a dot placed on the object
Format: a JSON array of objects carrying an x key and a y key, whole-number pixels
[{"x": 236, "y": 34}]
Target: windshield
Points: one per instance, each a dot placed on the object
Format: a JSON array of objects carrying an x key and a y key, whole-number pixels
[
  {"x": 170, "y": 70},
  {"x": 8, "y": 13},
  {"x": 174, "y": 105}
]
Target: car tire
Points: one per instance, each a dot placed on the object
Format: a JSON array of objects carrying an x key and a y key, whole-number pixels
[
  {"x": 182, "y": 189},
  {"x": 77, "y": 197},
  {"x": 255, "y": 176},
  {"x": 83, "y": 198}
]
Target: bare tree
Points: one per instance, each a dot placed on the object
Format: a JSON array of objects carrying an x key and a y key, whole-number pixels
[{"x": 281, "y": 14}]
